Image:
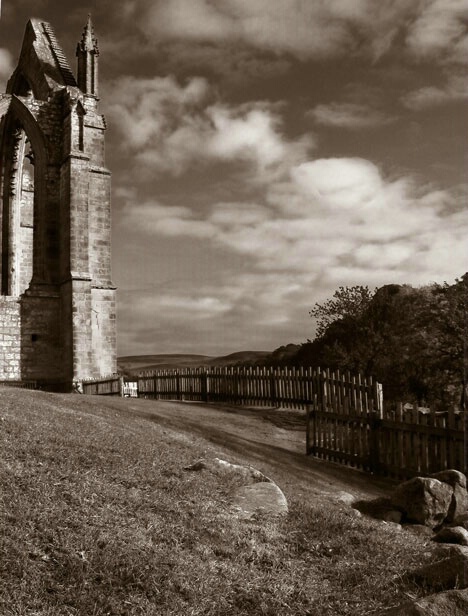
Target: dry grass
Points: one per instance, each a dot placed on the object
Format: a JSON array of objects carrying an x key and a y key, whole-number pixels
[{"x": 101, "y": 518}]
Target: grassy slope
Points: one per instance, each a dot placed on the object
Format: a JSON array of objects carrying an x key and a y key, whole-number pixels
[{"x": 101, "y": 519}]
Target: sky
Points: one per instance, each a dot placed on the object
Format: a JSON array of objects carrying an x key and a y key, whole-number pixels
[{"x": 266, "y": 152}]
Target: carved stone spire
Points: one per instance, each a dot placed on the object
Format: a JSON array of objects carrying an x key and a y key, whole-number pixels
[{"x": 87, "y": 52}]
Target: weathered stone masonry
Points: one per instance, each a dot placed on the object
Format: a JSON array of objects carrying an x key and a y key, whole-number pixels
[{"x": 57, "y": 300}]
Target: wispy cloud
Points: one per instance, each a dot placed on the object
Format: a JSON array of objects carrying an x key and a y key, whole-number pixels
[
  {"x": 434, "y": 28},
  {"x": 352, "y": 116},
  {"x": 455, "y": 89}
]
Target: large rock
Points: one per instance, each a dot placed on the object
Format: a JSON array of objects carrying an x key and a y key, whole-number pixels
[
  {"x": 259, "y": 498},
  {"x": 247, "y": 474},
  {"x": 455, "y": 534},
  {"x": 448, "y": 569},
  {"x": 257, "y": 495},
  {"x": 452, "y": 477},
  {"x": 449, "y": 603},
  {"x": 423, "y": 500},
  {"x": 461, "y": 520},
  {"x": 459, "y": 503}
]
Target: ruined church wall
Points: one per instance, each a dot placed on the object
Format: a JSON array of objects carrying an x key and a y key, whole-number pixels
[
  {"x": 10, "y": 338},
  {"x": 104, "y": 340}
]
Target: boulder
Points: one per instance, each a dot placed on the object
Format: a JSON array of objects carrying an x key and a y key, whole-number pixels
[
  {"x": 257, "y": 495},
  {"x": 247, "y": 474},
  {"x": 452, "y": 477},
  {"x": 448, "y": 569},
  {"x": 449, "y": 603},
  {"x": 259, "y": 498},
  {"x": 459, "y": 504},
  {"x": 423, "y": 500},
  {"x": 454, "y": 534},
  {"x": 461, "y": 520},
  {"x": 457, "y": 481}
]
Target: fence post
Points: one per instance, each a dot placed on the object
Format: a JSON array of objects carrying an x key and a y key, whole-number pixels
[
  {"x": 204, "y": 386},
  {"x": 375, "y": 423},
  {"x": 310, "y": 429}
]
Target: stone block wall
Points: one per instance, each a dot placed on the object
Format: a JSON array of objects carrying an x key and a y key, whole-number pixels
[{"x": 10, "y": 339}]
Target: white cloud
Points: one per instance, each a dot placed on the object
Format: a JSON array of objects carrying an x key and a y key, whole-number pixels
[
  {"x": 252, "y": 135},
  {"x": 439, "y": 29},
  {"x": 352, "y": 116},
  {"x": 169, "y": 127},
  {"x": 455, "y": 89},
  {"x": 331, "y": 222},
  {"x": 330, "y": 212}
]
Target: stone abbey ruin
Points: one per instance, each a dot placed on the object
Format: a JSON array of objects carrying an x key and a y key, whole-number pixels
[{"x": 57, "y": 300}]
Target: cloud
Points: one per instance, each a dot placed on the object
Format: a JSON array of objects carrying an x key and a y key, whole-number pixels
[
  {"x": 454, "y": 90},
  {"x": 352, "y": 116},
  {"x": 439, "y": 30},
  {"x": 311, "y": 30},
  {"x": 169, "y": 127},
  {"x": 332, "y": 222},
  {"x": 6, "y": 67},
  {"x": 329, "y": 215}
]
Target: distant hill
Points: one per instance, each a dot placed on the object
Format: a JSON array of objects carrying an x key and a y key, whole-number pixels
[{"x": 133, "y": 364}]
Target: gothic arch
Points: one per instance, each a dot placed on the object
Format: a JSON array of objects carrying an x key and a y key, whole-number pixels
[{"x": 20, "y": 128}]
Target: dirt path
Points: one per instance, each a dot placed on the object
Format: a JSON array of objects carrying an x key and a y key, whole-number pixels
[{"x": 272, "y": 440}]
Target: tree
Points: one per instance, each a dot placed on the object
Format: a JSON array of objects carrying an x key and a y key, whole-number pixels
[
  {"x": 413, "y": 340},
  {"x": 347, "y": 302}
]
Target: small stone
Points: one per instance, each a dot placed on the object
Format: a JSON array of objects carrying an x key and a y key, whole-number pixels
[
  {"x": 345, "y": 497},
  {"x": 380, "y": 509}
]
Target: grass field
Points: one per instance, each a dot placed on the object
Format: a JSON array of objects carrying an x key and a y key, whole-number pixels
[{"x": 100, "y": 518}]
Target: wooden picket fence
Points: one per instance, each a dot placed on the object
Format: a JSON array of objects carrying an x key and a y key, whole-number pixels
[
  {"x": 347, "y": 420},
  {"x": 107, "y": 386},
  {"x": 20, "y": 384},
  {"x": 392, "y": 439},
  {"x": 288, "y": 388}
]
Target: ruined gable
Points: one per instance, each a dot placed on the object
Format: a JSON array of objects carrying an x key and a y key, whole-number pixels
[{"x": 55, "y": 217}]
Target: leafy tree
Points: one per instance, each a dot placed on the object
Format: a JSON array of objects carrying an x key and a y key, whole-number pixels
[
  {"x": 347, "y": 302},
  {"x": 412, "y": 340}
]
